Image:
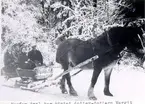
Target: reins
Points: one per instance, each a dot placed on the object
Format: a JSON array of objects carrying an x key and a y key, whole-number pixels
[
  {"x": 108, "y": 38},
  {"x": 141, "y": 42},
  {"x": 141, "y": 39}
]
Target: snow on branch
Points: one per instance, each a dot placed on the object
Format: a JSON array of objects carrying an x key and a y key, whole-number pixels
[
  {"x": 58, "y": 5},
  {"x": 85, "y": 20},
  {"x": 69, "y": 18}
]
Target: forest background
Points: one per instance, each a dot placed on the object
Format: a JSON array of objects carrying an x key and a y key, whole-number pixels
[{"x": 48, "y": 22}]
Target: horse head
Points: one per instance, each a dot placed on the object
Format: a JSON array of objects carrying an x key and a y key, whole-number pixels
[{"x": 136, "y": 43}]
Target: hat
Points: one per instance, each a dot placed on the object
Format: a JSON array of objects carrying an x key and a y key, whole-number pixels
[{"x": 33, "y": 46}]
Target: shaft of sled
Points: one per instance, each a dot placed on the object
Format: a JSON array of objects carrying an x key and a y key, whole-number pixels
[
  {"x": 77, "y": 72},
  {"x": 77, "y": 66}
]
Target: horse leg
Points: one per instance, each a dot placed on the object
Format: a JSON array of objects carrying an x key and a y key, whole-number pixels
[
  {"x": 71, "y": 89},
  {"x": 62, "y": 81},
  {"x": 72, "y": 63},
  {"x": 107, "y": 73},
  {"x": 96, "y": 73},
  {"x": 62, "y": 85}
]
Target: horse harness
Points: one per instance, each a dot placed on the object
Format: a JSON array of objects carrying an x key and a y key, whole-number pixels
[{"x": 109, "y": 43}]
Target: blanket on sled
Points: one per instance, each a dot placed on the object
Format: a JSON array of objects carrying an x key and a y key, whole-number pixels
[{"x": 38, "y": 73}]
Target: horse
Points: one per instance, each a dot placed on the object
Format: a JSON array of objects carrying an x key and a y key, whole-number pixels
[{"x": 107, "y": 46}]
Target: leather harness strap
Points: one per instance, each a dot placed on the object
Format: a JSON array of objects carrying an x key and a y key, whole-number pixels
[{"x": 108, "y": 39}]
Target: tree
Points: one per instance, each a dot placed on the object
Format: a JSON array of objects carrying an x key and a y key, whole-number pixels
[
  {"x": 20, "y": 24},
  {"x": 83, "y": 19},
  {"x": 131, "y": 10}
]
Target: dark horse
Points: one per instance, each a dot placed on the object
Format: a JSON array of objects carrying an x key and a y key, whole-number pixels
[{"x": 107, "y": 46}]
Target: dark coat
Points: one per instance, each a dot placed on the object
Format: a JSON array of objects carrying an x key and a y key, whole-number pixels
[
  {"x": 35, "y": 55},
  {"x": 24, "y": 63},
  {"x": 8, "y": 58},
  {"x": 10, "y": 63}
]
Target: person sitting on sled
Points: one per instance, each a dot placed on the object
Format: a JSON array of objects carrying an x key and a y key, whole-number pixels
[
  {"x": 41, "y": 69},
  {"x": 35, "y": 56}
]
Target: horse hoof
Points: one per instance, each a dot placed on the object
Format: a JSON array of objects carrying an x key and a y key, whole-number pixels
[
  {"x": 93, "y": 98},
  {"x": 64, "y": 92},
  {"x": 108, "y": 94},
  {"x": 73, "y": 93}
]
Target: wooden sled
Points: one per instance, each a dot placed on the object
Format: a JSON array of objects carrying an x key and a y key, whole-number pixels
[
  {"x": 34, "y": 80},
  {"x": 29, "y": 78}
]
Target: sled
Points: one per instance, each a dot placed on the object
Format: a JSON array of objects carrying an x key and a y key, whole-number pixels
[
  {"x": 26, "y": 79},
  {"x": 54, "y": 81},
  {"x": 41, "y": 77}
]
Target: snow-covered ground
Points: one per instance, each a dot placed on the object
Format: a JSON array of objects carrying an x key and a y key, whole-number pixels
[{"x": 126, "y": 85}]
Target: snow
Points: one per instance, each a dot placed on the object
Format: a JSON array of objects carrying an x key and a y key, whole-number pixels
[{"x": 125, "y": 85}]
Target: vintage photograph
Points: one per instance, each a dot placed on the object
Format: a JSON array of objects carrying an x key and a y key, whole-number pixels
[{"x": 72, "y": 50}]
